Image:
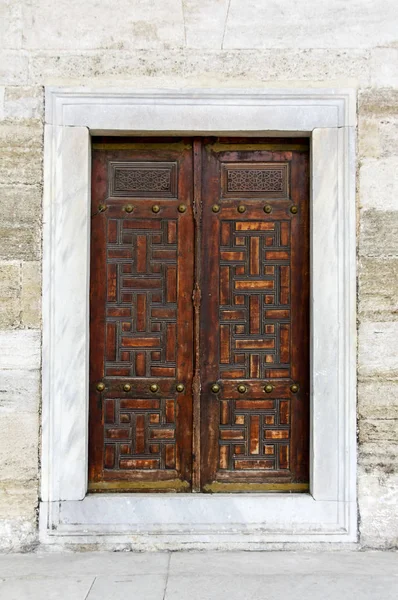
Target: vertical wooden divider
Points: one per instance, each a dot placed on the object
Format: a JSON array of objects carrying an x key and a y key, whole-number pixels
[{"x": 196, "y": 298}]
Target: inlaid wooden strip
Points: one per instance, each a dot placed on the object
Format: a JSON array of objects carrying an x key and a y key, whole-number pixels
[
  {"x": 224, "y": 457},
  {"x": 284, "y": 352},
  {"x": 141, "y": 253},
  {"x": 253, "y": 464},
  {"x": 225, "y": 233},
  {"x": 285, "y": 233},
  {"x": 161, "y": 434},
  {"x": 224, "y": 413},
  {"x": 284, "y": 292},
  {"x": 254, "y": 434},
  {"x": 139, "y": 464},
  {"x": 171, "y": 232},
  {"x": 133, "y": 404},
  {"x": 254, "y": 284},
  {"x": 112, "y": 231},
  {"x": 224, "y": 286},
  {"x": 171, "y": 337},
  {"x": 254, "y": 365},
  {"x": 112, "y": 283},
  {"x": 284, "y": 412},
  {"x": 111, "y": 341},
  {"x": 109, "y": 411},
  {"x": 255, "y": 404},
  {"x": 231, "y": 434},
  {"x": 283, "y": 456},
  {"x": 141, "y": 304},
  {"x": 254, "y": 344},
  {"x": 169, "y": 458},
  {"x": 143, "y": 342},
  {"x": 140, "y": 434},
  {"x": 163, "y": 371},
  {"x": 254, "y": 226},
  {"x": 140, "y": 364},
  {"x": 170, "y": 411},
  {"x": 109, "y": 461},
  {"x": 254, "y": 255},
  {"x": 142, "y": 284},
  {"x": 171, "y": 284},
  {"x": 254, "y": 314},
  {"x": 276, "y": 434},
  {"x": 224, "y": 343}
]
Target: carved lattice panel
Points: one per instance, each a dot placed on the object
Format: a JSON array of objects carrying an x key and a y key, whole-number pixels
[
  {"x": 140, "y": 433},
  {"x": 259, "y": 180},
  {"x": 254, "y": 434},
  {"x": 143, "y": 179},
  {"x": 141, "y": 308},
  {"x": 254, "y": 299},
  {"x": 141, "y": 317}
]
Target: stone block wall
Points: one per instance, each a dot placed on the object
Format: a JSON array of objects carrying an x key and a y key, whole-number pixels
[{"x": 198, "y": 43}]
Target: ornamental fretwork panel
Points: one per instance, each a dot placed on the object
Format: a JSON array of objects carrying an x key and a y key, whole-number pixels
[{"x": 141, "y": 308}]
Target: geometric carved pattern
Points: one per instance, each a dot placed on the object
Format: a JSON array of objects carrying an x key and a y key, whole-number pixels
[
  {"x": 143, "y": 179},
  {"x": 255, "y": 180},
  {"x": 141, "y": 307},
  {"x": 139, "y": 433},
  {"x": 254, "y": 311},
  {"x": 254, "y": 434}
]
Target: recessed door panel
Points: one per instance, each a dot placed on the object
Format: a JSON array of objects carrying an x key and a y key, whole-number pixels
[
  {"x": 199, "y": 355},
  {"x": 141, "y": 318},
  {"x": 254, "y": 315}
]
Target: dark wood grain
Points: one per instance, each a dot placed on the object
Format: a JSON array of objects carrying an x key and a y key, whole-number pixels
[{"x": 199, "y": 297}]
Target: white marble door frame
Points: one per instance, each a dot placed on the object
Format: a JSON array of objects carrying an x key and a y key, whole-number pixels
[{"x": 328, "y": 513}]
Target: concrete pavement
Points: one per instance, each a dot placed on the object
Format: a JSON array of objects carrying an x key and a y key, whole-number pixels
[{"x": 200, "y": 575}]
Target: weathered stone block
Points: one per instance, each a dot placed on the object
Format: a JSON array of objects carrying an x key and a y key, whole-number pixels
[
  {"x": 368, "y": 137},
  {"x": 20, "y": 349},
  {"x": 149, "y": 68},
  {"x": 18, "y": 500},
  {"x": 378, "y": 500},
  {"x": 24, "y": 102},
  {"x": 19, "y": 391},
  {"x": 378, "y": 349},
  {"x": 10, "y": 313},
  {"x": 11, "y": 24},
  {"x": 378, "y": 233},
  {"x": 13, "y": 67},
  {"x": 384, "y": 65},
  {"x": 378, "y": 399},
  {"x": 31, "y": 294},
  {"x": 10, "y": 284},
  {"x": 18, "y": 535},
  {"x": 378, "y": 289},
  {"x": 205, "y": 22},
  {"x": 21, "y": 145},
  {"x": 18, "y": 446},
  {"x": 380, "y": 102},
  {"x": 313, "y": 24},
  {"x": 379, "y": 430},
  {"x": 20, "y": 205},
  {"x": 129, "y": 25},
  {"x": 20, "y": 243},
  {"x": 378, "y": 183}
]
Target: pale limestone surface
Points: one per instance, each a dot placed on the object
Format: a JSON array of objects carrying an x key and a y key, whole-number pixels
[
  {"x": 201, "y": 576},
  {"x": 190, "y": 43}
]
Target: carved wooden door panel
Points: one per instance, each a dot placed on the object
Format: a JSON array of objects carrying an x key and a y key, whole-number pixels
[
  {"x": 199, "y": 318},
  {"x": 141, "y": 343},
  {"x": 255, "y": 317}
]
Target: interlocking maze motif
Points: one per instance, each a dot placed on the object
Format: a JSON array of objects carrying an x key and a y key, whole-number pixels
[
  {"x": 259, "y": 180},
  {"x": 255, "y": 340},
  {"x": 141, "y": 338}
]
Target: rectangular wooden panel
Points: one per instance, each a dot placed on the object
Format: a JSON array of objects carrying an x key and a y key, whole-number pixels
[
  {"x": 141, "y": 318},
  {"x": 255, "y": 259}
]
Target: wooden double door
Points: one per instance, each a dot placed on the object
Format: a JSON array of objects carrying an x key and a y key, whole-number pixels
[{"x": 199, "y": 342}]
